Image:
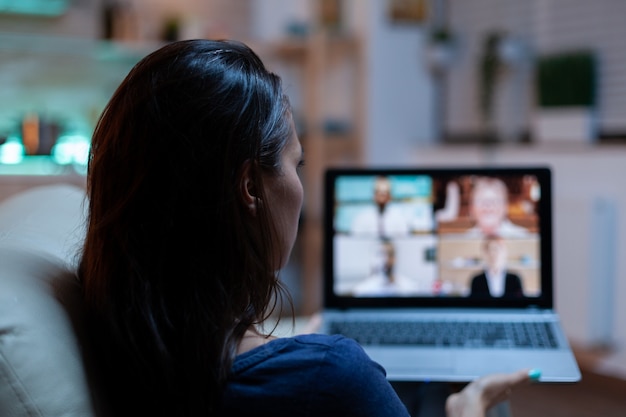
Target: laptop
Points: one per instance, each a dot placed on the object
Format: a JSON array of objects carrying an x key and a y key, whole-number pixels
[{"x": 469, "y": 249}]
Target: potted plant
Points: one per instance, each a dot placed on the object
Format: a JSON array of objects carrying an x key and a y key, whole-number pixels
[
  {"x": 171, "y": 28},
  {"x": 440, "y": 49},
  {"x": 565, "y": 87}
]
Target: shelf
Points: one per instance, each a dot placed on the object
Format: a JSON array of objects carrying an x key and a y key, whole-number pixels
[
  {"x": 40, "y": 166},
  {"x": 64, "y": 81},
  {"x": 514, "y": 266},
  {"x": 23, "y": 44}
]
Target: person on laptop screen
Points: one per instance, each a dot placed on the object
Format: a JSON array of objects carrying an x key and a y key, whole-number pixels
[
  {"x": 384, "y": 279},
  {"x": 496, "y": 280},
  {"x": 488, "y": 208},
  {"x": 175, "y": 322},
  {"x": 381, "y": 219}
]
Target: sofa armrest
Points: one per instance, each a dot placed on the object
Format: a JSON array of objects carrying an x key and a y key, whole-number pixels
[{"x": 42, "y": 371}]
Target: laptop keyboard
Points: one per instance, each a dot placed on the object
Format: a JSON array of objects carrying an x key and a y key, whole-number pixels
[{"x": 535, "y": 335}]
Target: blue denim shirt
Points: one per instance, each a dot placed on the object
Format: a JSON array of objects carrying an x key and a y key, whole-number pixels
[{"x": 309, "y": 375}]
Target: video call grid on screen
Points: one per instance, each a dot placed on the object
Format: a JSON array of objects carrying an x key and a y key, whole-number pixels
[{"x": 437, "y": 231}]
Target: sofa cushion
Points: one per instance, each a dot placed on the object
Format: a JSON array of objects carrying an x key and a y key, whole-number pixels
[
  {"x": 41, "y": 366},
  {"x": 50, "y": 218}
]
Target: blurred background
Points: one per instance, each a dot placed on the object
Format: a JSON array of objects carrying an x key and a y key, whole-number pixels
[{"x": 372, "y": 82}]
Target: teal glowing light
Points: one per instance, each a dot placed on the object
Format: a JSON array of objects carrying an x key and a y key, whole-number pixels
[
  {"x": 71, "y": 149},
  {"x": 12, "y": 151},
  {"x": 34, "y": 7}
]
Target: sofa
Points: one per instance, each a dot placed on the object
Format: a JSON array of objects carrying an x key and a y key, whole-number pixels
[{"x": 42, "y": 371}]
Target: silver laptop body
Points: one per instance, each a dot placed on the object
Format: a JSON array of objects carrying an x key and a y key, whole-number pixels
[{"x": 405, "y": 254}]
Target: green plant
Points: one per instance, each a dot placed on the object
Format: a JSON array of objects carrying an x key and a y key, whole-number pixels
[
  {"x": 441, "y": 35},
  {"x": 171, "y": 29},
  {"x": 566, "y": 79}
]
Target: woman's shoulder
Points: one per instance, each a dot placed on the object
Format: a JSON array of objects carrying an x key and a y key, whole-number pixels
[
  {"x": 321, "y": 340},
  {"x": 305, "y": 350},
  {"x": 322, "y": 344},
  {"x": 331, "y": 345},
  {"x": 311, "y": 374}
]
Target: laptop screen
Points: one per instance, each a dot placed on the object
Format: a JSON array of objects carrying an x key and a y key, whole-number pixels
[{"x": 438, "y": 237}]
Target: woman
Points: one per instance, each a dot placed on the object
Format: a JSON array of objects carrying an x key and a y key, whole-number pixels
[
  {"x": 194, "y": 199},
  {"x": 496, "y": 280}
]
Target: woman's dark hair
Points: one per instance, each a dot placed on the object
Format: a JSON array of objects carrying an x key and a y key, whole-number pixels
[{"x": 174, "y": 268}]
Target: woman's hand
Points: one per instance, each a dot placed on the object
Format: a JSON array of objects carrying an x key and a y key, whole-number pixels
[{"x": 485, "y": 392}]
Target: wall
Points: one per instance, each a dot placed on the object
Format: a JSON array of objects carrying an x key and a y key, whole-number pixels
[{"x": 400, "y": 111}]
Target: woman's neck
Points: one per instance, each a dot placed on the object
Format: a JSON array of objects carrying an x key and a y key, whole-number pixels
[{"x": 251, "y": 340}]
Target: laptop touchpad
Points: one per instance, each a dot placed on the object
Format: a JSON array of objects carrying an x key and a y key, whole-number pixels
[{"x": 410, "y": 361}]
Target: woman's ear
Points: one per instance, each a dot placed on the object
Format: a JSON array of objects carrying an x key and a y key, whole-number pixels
[{"x": 248, "y": 188}]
